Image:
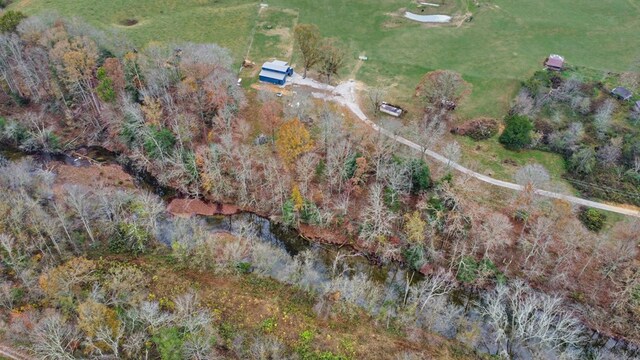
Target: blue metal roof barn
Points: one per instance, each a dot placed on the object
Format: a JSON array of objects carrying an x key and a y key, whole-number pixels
[
  {"x": 275, "y": 72},
  {"x": 273, "y": 77}
]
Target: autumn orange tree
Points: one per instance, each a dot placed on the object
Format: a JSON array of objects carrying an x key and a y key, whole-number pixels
[
  {"x": 76, "y": 58},
  {"x": 94, "y": 317},
  {"x": 293, "y": 140}
]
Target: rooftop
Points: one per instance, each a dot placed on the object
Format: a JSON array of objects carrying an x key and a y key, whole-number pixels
[
  {"x": 390, "y": 109},
  {"x": 273, "y": 74},
  {"x": 622, "y": 92},
  {"x": 554, "y": 60},
  {"x": 276, "y": 65}
]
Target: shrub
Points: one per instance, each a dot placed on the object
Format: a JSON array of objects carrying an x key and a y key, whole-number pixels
[
  {"x": 632, "y": 176},
  {"x": 517, "y": 133},
  {"x": 105, "y": 86},
  {"x": 320, "y": 169},
  {"x": 470, "y": 270},
  {"x": 131, "y": 128},
  {"x": 10, "y": 20},
  {"x": 243, "y": 267},
  {"x": 129, "y": 237},
  {"x": 305, "y": 351},
  {"x": 310, "y": 214},
  {"x": 521, "y": 215},
  {"x": 420, "y": 176},
  {"x": 481, "y": 129},
  {"x": 583, "y": 161},
  {"x": 268, "y": 325},
  {"x": 391, "y": 199},
  {"x": 189, "y": 161},
  {"x": 593, "y": 219},
  {"x": 467, "y": 270},
  {"x": 541, "y": 79},
  {"x": 288, "y": 213},
  {"x": 635, "y": 295},
  {"x": 351, "y": 165},
  {"x": 415, "y": 256},
  {"x": 169, "y": 343},
  {"x": 159, "y": 143}
]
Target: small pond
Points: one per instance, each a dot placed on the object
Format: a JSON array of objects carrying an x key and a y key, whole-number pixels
[{"x": 427, "y": 18}]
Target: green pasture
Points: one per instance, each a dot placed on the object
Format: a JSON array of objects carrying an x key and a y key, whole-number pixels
[
  {"x": 225, "y": 22},
  {"x": 504, "y": 43}
]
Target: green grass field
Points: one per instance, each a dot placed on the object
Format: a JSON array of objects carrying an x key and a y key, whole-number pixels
[
  {"x": 225, "y": 22},
  {"x": 504, "y": 44}
]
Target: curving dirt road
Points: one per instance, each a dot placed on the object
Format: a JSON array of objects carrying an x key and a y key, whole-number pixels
[{"x": 344, "y": 94}]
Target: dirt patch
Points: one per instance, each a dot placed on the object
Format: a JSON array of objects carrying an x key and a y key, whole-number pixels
[
  {"x": 95, "y": 176},
  {"x": 128, "y": 22},
  {"x": 282, "y": 32},
  {"x": 394, "y": 20},
  {"x": 286, "y": 40},
  {"x": 190, "y": 207}
]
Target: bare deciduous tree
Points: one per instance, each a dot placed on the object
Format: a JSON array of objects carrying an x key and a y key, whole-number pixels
[
  {"x": 524, "y": 319},
  {"x": 452, "y": 152},
  {"x": 376, "y": 96},
  {"x": 331, "y": 58},
  {"x": 442, "y": 89},
  {"x": 495, "y": 233},
  {"x": 265, "y": 348},
  {"x": 305, "y": 168},
  {"x": 602, "y": 118},
  {"x": 377, "y": 219},
  {"x": 439, "y": 284},
  {"x": 53, "y": 338},
  {"x": 81, "y": 201},
  {"x": 533, "y": 175},
  {"x": 610, "y": 154}
]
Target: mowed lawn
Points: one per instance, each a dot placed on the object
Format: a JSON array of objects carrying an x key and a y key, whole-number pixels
[
  {"x": 504, "y": 44},
  {"x": 225, "y": 22}
]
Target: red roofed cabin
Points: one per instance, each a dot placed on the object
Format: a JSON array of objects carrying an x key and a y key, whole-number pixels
[{"x": 554, "y": 62}]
